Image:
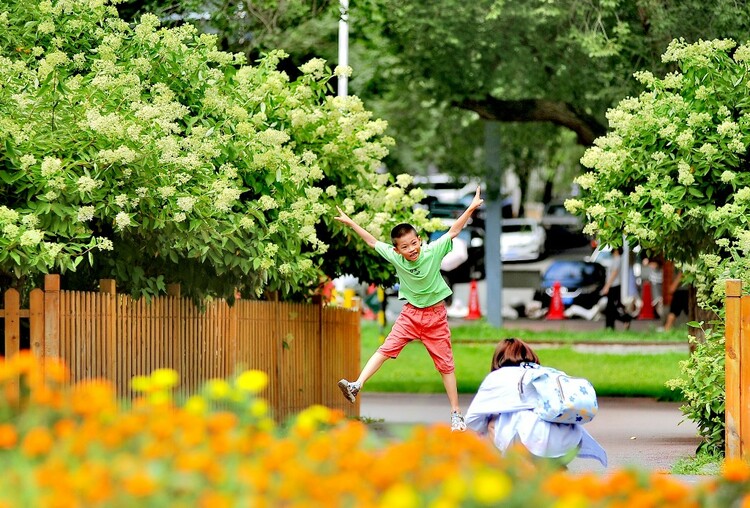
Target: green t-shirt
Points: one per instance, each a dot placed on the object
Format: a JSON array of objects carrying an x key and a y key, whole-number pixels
[{"x": 420, "y": 282}]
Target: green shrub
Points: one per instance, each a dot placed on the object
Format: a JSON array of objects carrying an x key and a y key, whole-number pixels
[{"x": 703, "y": 387}]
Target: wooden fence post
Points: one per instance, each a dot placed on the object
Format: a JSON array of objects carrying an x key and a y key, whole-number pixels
[
  {"x": 52, "y": 316},
  {"x": 108, "y": 287},
  {"x": 36, "y": 322},
  {"x": 173, "y": 290},
  {"x": 733, "y": 394},
  {"x": 12, "y": 332},
  {"x": 12, "y": 322}
]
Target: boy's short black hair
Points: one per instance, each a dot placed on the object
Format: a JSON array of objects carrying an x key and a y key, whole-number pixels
[{"x": 400, "y": 230}]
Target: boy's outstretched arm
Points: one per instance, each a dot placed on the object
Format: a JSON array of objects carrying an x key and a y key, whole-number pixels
[
  {"x": 464, "y": 218},
  {"x": 345, "y": 219}
]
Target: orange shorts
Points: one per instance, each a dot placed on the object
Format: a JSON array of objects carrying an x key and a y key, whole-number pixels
[{"x": 430, "y": 325}]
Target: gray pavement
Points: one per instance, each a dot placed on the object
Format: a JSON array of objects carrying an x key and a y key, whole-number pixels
[{"x": 635, "y": 432}]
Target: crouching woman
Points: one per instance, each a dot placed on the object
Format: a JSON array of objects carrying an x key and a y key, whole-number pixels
[{"x": 499, "y": 412}]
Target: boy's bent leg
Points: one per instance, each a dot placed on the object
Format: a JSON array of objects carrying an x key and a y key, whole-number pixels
[
  {"x": 351, "y": 389},
  {"x": 371, "y": 367}
]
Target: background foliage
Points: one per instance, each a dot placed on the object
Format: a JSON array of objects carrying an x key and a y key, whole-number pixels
[
  {"x": 159, "y": 158},
  {"x": 434, "y": 69}
]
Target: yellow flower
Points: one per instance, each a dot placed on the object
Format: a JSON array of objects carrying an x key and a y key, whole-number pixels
[
  {"x": 218, "y": 389},
  {"x": 258, "y": 408},
  {"x": 159, "y": 398},
  {"x": 252, "y": 381},
  {"x": 140, "y": 384},
  {"x": 400, "y": 495},
  {"x": 196, "y": 405},
  {"x": 491, "y": 487},
  {"x": 165, "y": 378},
  {"x": 311, "y": 418},
  {"x": 576, "y": 500}
]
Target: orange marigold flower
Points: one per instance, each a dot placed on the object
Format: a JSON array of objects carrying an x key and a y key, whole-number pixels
[
  {"x": 670, "y": 489},
  {"x": 8, "y": 436},
  {"x": 736, "y": 470},
  {"x": 55, "y": 370},
  {"x": 221, "y": 422},
  {"x": 215, "y": 500},
  {"x": 38, "y": 441},
  {"x": 64, "y": 428},
  {"x": 140, "y": 484}
]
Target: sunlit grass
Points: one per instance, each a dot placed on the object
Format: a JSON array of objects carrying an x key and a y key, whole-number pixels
[{"x": 616, "y": 375}]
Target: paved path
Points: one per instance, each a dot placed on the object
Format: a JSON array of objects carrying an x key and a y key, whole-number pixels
[{"x": 635, "y": 432}]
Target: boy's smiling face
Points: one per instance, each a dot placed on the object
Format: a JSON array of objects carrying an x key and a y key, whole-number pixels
[{"x": 408, "y": 246}]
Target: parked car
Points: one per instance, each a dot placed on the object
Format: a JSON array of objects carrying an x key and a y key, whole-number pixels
[
  {"x": 580, "y": 283},
  {"x": 563, "y": 228},
  {"x": 445, "y": 188},
  {"x": 522, "y": 240}
]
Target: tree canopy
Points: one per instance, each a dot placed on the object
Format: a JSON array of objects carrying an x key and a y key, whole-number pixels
[
  {"x": 156, "y": 157},
  {"x": 434, "y": 69}
]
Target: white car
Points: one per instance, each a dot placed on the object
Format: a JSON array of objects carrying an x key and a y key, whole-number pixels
[
  {"x": 522, "y": 240},
  {"x": 444, "y": 188}
]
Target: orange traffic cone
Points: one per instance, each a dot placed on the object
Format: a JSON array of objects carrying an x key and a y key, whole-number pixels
[
  {"x": 474, "y": 312},
  {"x": 556, "y": 307},
  {"x": 647, "y": 309}
]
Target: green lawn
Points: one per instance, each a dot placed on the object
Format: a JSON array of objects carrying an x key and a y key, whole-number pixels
[{"x": 623, "y": 375}]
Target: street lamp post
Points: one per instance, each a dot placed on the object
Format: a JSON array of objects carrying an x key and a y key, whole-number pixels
[{"x": 343, "y": 80}]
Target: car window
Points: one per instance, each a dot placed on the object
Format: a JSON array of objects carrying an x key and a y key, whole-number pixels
[
  {"x": 558, "y": 271},
  {"x": 585, "y": 273}
]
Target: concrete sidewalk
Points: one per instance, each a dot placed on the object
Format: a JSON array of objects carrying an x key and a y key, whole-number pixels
[{"x": 641, "y": 433}]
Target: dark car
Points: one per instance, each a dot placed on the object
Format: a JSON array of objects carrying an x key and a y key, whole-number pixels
[
  {"x": 580, "y": 283},
  {"x": 564, "y": 229}
]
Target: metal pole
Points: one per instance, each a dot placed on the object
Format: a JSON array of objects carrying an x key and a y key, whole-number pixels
[
  {"x": 343, "y": 81},
  {"x": 493, "y": 225}
]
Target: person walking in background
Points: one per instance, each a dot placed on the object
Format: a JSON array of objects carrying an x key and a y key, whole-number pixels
[
  {"x": 498, "y": 412},
  {"x": 424, "y": 316},
  {"x": 615, "y": 310},
  {"x": 679, "y": 302}
]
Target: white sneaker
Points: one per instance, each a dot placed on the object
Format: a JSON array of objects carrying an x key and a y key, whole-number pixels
[
  {"x": 350, "y": 390},
  {"x": 457, "y": 422}
]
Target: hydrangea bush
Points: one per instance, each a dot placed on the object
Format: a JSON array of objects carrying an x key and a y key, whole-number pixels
[
  {"x": 80, "y": 446},
  {"x": 672, "y": 175},
  {"x": 157, "y": 158}
]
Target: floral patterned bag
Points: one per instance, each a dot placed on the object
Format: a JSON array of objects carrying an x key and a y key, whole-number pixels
[{"x": 559, "y": 398}]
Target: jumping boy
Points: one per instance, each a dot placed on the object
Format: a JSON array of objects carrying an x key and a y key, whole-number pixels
[{"x": 424, "y": 316}]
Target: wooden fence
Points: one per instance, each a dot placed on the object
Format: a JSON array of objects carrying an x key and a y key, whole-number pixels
[
  {"x": 304, "y": 348},
  {"x": 737, "y": 371}
]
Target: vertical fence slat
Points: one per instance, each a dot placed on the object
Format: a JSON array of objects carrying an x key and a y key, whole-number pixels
[
  {"x": 52, "y": 316},
  {"x": 733, "y": 335},
  {"x": 744, "y": 379},
  {"x": 36, "y": 322}
]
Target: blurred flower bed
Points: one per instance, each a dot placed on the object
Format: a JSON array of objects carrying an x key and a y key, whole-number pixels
[{"x": 64, "y": 446}]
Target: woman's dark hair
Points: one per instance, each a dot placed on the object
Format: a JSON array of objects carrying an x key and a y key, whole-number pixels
[
  {"x": 512, "y": 352},
  {"x": 400, "y": 230}
]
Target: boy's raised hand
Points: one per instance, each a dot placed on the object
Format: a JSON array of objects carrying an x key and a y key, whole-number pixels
[
  {"x": 477, "y": 201},
  {"x": 343, "y": 218}
]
